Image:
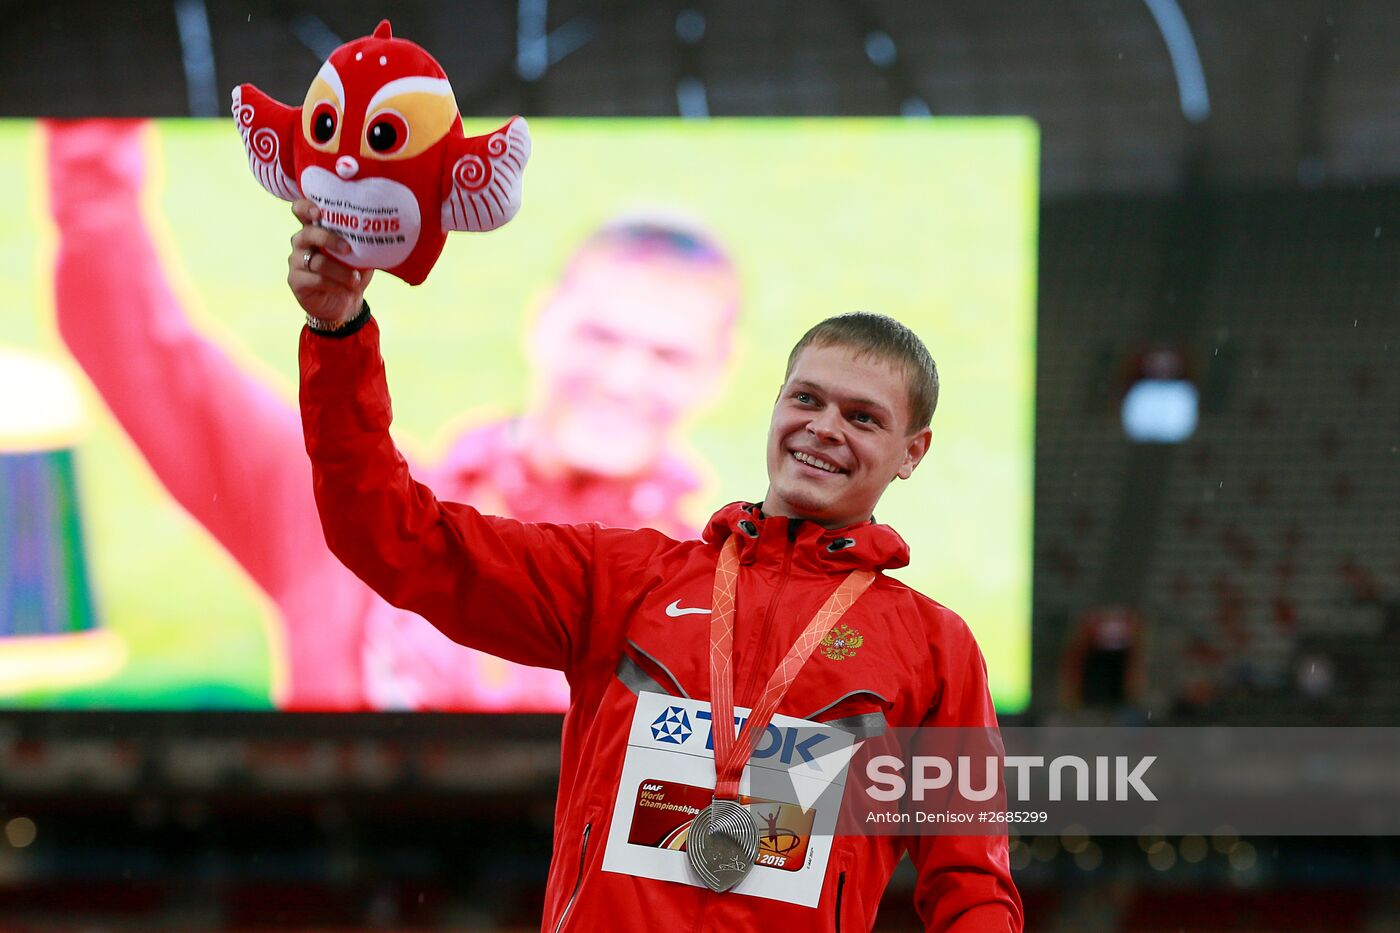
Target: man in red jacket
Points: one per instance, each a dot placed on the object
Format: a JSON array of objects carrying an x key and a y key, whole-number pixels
[{"x": 658, "y": 636}]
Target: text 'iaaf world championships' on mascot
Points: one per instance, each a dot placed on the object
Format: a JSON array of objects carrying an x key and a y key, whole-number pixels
[{"x": 378, "y": 146}]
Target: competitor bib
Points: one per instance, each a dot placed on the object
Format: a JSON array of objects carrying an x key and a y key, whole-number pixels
[{"x": 792, "y": 787}]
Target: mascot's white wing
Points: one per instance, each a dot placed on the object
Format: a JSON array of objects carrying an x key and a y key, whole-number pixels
[
  {"x": 267, "y": 127},
  {"x": 485, "y": 177}
]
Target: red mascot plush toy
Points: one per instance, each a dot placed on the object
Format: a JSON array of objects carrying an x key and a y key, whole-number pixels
[{"x": 378, "y": 146}]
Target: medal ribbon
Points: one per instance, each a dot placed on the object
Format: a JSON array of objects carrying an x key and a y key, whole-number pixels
[{"x": 731, "y": 752}]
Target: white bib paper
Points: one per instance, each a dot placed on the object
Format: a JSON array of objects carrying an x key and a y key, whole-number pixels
[{"x": 792, "y": 785}]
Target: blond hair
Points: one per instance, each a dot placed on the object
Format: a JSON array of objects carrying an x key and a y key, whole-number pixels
[{"x": 884, "y": 338}]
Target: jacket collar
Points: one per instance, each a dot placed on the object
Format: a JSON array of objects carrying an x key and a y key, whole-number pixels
[{"x": 862, "y": 546}]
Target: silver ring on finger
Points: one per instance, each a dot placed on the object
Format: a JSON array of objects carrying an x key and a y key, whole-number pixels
[{"x": 306, "y": 259}]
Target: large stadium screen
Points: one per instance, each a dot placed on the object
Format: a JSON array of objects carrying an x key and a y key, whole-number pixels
[{"x": 612, "y": 354}]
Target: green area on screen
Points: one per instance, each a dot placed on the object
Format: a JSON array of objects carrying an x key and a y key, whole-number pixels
[{"x": 930, "y": 221}]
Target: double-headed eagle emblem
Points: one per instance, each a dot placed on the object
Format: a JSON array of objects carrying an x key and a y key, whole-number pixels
[{"x": 841, "y": 642}]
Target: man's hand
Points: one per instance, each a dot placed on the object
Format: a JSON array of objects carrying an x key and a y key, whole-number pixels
[{"x": 325, "y": 287}]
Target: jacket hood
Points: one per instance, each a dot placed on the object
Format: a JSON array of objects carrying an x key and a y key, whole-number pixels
[{"x": 862, "y": 546}]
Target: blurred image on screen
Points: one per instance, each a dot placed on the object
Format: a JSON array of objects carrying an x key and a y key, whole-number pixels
[{"x": 586, "y": 363}]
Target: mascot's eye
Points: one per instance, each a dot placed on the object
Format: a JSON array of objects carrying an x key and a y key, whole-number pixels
[
  {"x": 323, "y": 123},
  {"x": 387, "y": 133}
]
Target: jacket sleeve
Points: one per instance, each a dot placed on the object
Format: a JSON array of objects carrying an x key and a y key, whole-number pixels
[
  {"x": 221, "y": 442},
  {"x": 964, "y": 883},
  {"x": 517, "y": 590}
]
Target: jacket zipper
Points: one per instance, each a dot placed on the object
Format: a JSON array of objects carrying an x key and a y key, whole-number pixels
[
  {"x": 840, "y": 887},
  {"x": 578, "y": 882},
  {"x": 773, "y": 605}
]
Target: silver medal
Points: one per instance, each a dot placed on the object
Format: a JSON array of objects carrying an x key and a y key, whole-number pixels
[{"x": 722, "y": 844}]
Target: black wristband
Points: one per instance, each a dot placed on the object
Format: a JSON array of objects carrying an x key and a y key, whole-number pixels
[{"x": 344, "y": 329}]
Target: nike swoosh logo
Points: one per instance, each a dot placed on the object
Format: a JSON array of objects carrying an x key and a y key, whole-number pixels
[{"x": 675, "y": 611}]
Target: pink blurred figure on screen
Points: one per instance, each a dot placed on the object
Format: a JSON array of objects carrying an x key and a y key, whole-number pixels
[{"x": 634, "y": 336}]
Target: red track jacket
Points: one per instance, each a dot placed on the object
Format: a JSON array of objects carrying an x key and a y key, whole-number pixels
[{"x": 591, "y": 601}]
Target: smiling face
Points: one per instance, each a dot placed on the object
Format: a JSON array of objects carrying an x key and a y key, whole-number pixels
[
  {"x": 840, "y": 434},
  {"x": 625, "y": 348}
]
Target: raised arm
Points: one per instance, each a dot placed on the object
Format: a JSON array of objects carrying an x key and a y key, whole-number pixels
[
  {"x": 222, "y": 443},
  {"x": 516, "y": 590}
]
